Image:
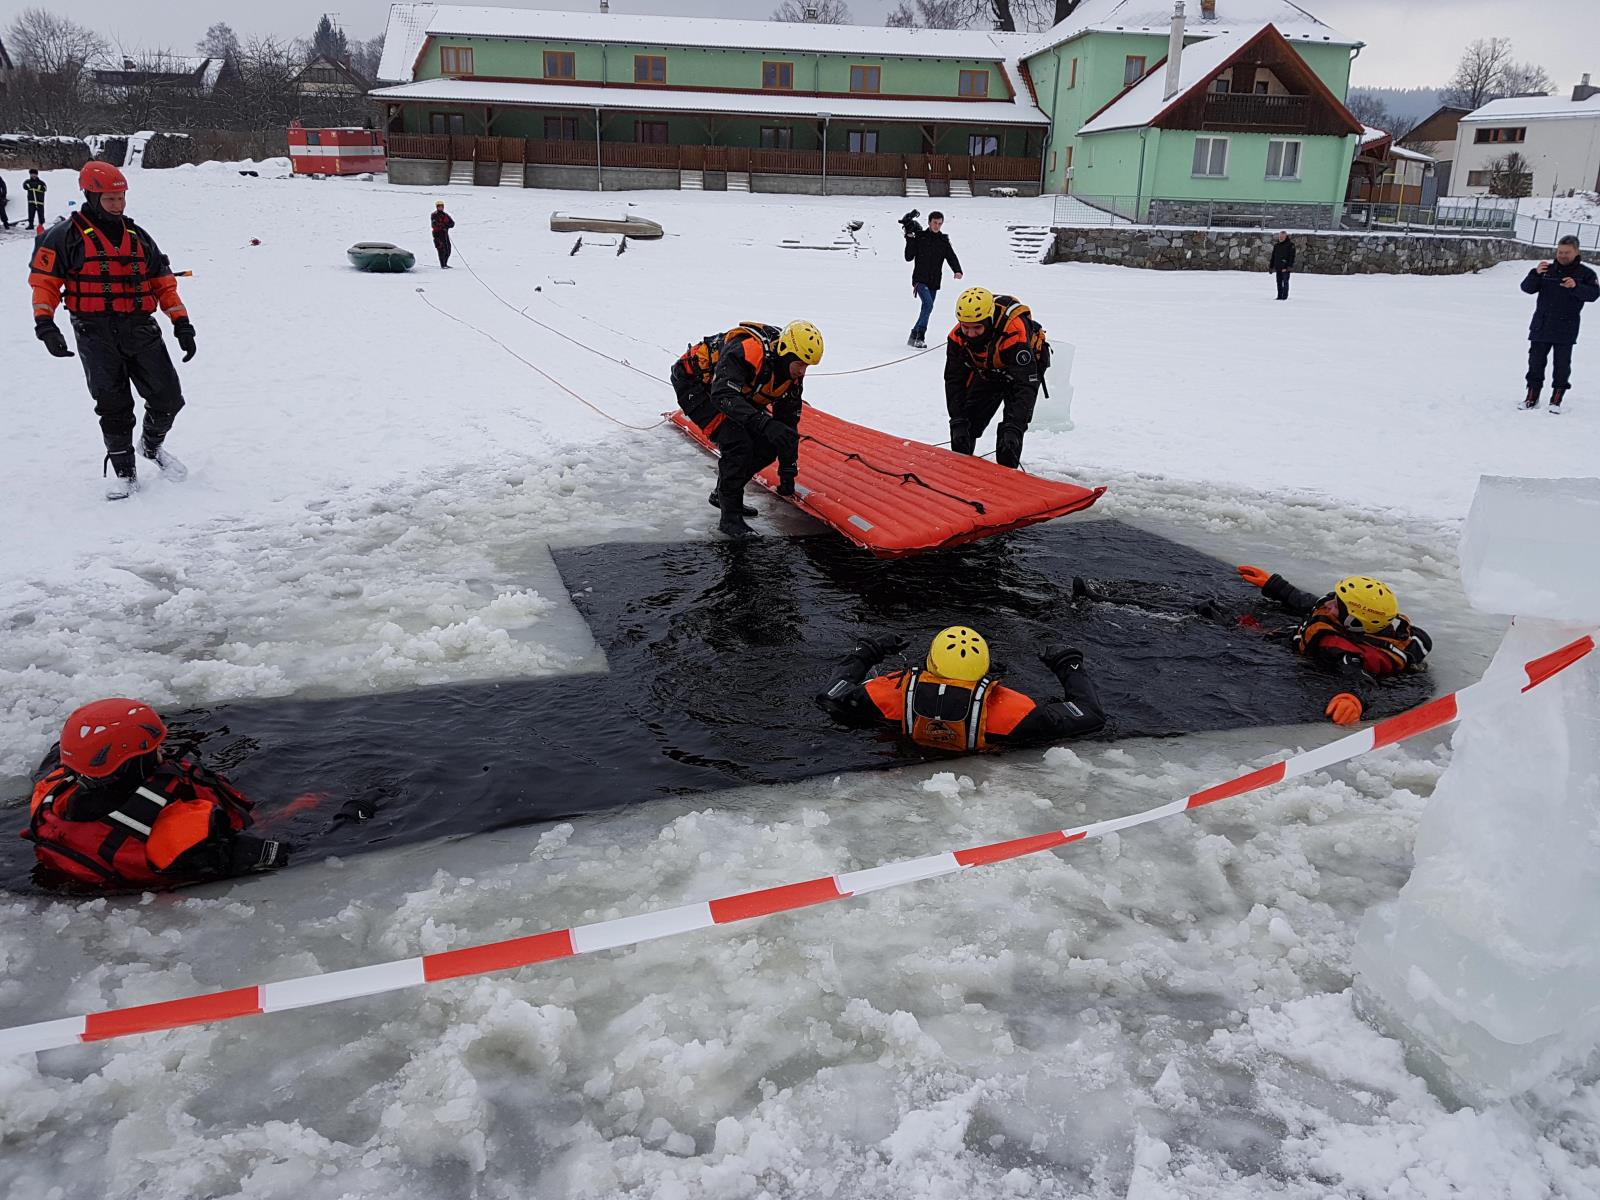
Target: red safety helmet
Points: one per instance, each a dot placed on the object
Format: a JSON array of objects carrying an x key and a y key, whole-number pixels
[
  {"x": 103, "y": 735},
  {"x": 97, "y": 178}
]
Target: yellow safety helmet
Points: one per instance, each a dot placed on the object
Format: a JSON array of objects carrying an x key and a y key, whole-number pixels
[
  {"x": 803, "y": 340},
  {"x": 1368, "y": 601},
  {"x": 959, "y": 653},
  {"x": 974, "y": 305}
]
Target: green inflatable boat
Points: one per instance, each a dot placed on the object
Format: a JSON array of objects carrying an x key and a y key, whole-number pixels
[{"x": 380, "y": 257}]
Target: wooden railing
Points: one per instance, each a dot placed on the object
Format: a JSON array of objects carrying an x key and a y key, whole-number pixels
[
  {"x": 1260, "y": 112},
  {"x": 581, "y": 153}
]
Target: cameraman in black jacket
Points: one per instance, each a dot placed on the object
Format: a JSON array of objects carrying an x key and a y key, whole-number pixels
[{"x": 928, "y": 250}]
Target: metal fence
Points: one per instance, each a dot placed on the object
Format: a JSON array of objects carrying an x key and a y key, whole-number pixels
[{"x": 1079, "y": 211}]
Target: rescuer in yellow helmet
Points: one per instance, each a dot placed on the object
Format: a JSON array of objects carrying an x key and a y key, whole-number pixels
[
  {"x": 952, "y": 702},
  {"x": 995, "y": 359}
]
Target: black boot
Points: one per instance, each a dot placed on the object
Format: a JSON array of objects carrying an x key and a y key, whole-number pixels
[
  {"x": 1556, "y": 397},
  {"x": 732, "y": 526},
  {"x": 1532, "y": 398},
  {"x": 715, "y": 500},
  {"x": 123, "y": 472}
]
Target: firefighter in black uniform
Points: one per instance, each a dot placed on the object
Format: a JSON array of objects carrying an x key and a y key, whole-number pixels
[
  {"x": 952, "y": 703},
  {"x": 113, "y": 276},
  {"x": 994, "y": 361},
  {"x": 34, "y": 189},
  {"x": 743, "y": 389},
  {"x": 442, "y": 223}
]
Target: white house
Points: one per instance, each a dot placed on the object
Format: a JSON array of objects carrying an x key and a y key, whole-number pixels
[{"x": 1558, "y": 136}]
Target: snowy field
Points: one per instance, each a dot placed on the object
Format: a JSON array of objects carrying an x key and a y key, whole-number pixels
[{"x": 373, "y": 490}]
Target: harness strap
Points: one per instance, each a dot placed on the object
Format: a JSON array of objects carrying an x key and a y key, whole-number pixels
[{"x": 975, "y": 713}]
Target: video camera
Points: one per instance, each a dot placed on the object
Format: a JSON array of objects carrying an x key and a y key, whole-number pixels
[{"x": 910, "y": 224}]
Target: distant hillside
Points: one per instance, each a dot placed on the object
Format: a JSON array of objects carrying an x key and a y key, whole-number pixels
[{"x": 1410, "y": 105}]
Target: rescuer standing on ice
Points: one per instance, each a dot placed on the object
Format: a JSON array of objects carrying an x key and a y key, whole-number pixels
[{"x": 112, "y": 276}]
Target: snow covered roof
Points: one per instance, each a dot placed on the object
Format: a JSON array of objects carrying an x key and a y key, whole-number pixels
[
  {"x": 402, "y": 40},
  {"x": 411, "y": 24},
  {"x": 1146, "y": 100},
  {"x": 1371, "y": 133},
  {"x": 1020, "y": 111},
  {"x": 1155, "y": 16},
  {"x": 1407, "y": 152},
  {"x": 1539, "y": 107}
]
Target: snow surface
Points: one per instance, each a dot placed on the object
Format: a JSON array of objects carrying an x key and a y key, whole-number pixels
[
  {"x": 1155, "y": 16},
  {"x": 373, "y": 487}
]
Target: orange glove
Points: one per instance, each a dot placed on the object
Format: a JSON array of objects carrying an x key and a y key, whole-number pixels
[
  {"x": 1255, "y": 576},
  {"x": 1343, "y": 709}
]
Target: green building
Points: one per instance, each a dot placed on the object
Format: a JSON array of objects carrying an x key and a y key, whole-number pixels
[{"x": 1125, "y": 104}]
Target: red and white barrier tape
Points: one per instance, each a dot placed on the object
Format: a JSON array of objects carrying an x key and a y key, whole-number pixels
[{"x": 627, "y": 931}]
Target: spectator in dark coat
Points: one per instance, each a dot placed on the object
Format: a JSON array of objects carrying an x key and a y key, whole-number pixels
[
  {"x": 1282, "y": 263},
  {"x": 4, "y": 220},
  {"x": 928, "y": 250},
  {"x": 1563, "y": 288}
]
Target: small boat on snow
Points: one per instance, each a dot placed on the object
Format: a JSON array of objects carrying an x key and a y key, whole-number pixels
[
  {"x": 380, "y": 257},
  {"x": 629, "y": 227}
]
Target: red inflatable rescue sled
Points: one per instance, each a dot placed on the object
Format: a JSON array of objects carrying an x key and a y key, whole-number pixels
[{"x": 895, "y": 497}]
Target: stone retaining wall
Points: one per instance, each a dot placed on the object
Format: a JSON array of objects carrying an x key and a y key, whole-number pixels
[{"x": 1165, "y": 249}]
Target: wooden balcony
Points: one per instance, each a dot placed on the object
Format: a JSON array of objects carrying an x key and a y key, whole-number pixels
[
  {"x": 1273, "y": 114},
  {"x": 581, "y": 153}
]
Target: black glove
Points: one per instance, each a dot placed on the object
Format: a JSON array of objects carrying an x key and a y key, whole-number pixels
[
  {"x": 1059, "y": 658},
  {"x": 876, "y": 649},
  {"x": 183, "y": 330},
  {"x": 46, "y": 331},
  {"x": 781, "y": 436},
  {"x": 785, "y": 483},
  {"x": 257, "y": 854}
]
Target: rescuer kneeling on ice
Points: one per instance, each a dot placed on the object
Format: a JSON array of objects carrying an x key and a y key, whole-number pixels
[
  {"x": 113, "y": 276},
  {"x": 953, "y": 703},
  {"x": 994, "y": 362},
  {"x": 743, "y": 389},
  {"x": 111, "y": 812},
  {"x": 1356, "y": 632}
]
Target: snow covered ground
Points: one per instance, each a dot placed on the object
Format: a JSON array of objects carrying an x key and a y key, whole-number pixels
[{"x": 372, "y": 490}]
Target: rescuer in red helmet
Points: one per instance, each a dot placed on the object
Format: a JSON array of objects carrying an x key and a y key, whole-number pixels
[
  {"x": 111, "y": 812},
  {"x": 113, "y": 277}
]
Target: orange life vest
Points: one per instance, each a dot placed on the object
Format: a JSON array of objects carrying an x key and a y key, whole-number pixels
[
  {"x": 1380, "y": 653},
  {"x": 938, "y": 713},
  {"x": 755, "y": 341},
  {"x": 113, "y": 849},
  {"x": 113, "y": 279}
]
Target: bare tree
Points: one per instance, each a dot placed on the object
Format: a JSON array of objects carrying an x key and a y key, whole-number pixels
[
  {"x": 1370, "y": 110},
  {"x": 827, "y": 12},
  {"x": 1510, "y": 176},
  {"x": 220, "y": 41},
  {"x": 52, "y": 45},
  {"x": 1477, "y": 77},
  {"x": 365, "y": 57},
  {"x": 1525, "y": 79},
  {"x": 928, "y": 14},
  {"x": 1006, "y": 15},
  {"x": 1065, "y": 8}
]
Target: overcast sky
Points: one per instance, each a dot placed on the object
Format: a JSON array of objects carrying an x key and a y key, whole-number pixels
[{"x": 1409, "y": 42}]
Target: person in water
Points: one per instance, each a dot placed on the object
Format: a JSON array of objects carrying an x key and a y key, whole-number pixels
[
  {"x": 952, "y": 702},
  {"x": 111, "y": 811}
]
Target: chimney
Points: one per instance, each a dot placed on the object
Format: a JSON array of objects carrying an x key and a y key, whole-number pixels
[
  {"x": 1175, "y": 50},
  {"x": 809, "y": 13},
  {"x": 1584, "y": 90},
  {"x": 605, "y": 6},
  {"x": 1208, "y": 10}
]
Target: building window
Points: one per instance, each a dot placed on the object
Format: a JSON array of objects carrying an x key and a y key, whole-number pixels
[
  {"x": 559, "y": 64},
  {"x": 1072, "y": 79},
  {"x": 979, "y": 144},
  {"x": 447, "y": 123},
  {"x": 865, "y": 79},
  {"x": 777, "y": 137},
  {"x": 1517, "y": 134},
  {"x": 1262, "y": 87},
  {"x": 862, "y": 141},
  {"x": 1211, "y": 157},
  {"x": 777, "y": 76},
  {"x": 973, "y": 83},
  {"x": 1132, "y": 69},
  {"x": 1283, "y": 160},
  {"x": 1479, "y": 178},
  {"x": 650, "y": 133},
  {"x": 455, "y": 60},
  {"x": 649, "y": 68},
  {"x": 1221, "y": 86},
  {"x": 561, "y": 129}
]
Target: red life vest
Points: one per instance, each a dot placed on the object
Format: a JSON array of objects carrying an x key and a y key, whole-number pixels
[
  {"x": 113, "y": 278},
  {"x": 108, "y": 850},
  {"x": 1380, "y": 653}
]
